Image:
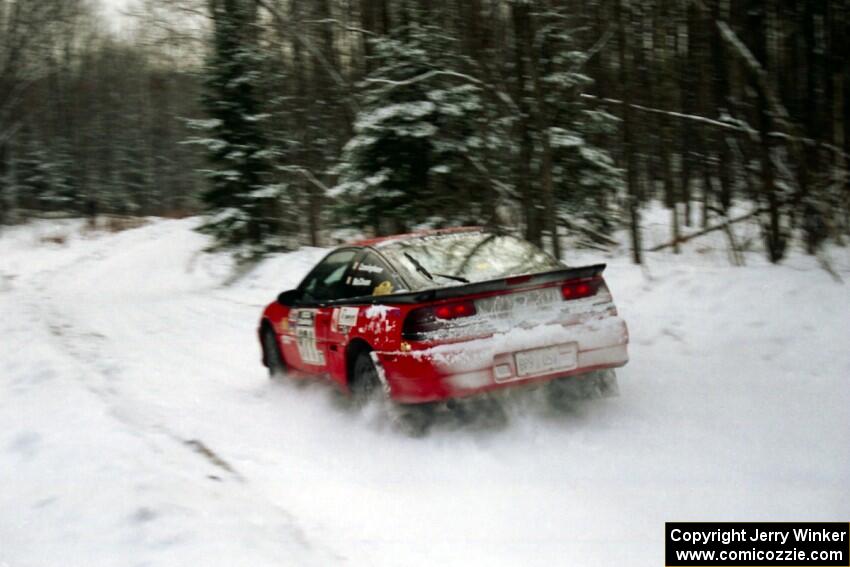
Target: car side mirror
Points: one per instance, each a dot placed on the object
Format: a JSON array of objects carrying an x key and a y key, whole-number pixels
[{"x": 289, "y": 298}]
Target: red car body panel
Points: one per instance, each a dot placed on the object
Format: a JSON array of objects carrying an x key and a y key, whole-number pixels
[{"x": 582, "y": 335}]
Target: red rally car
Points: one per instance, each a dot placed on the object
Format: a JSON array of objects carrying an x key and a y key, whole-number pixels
[{"x": 444, "y": 314}]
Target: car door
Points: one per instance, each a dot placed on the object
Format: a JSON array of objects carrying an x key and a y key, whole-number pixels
[{"x": 308, "y": 322}]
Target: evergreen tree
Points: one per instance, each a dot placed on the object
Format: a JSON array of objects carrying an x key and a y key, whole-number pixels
[
  {"x": 243, "y": 202},
  {"x": 587, "y": 183},
  {"x": 417, "y": 137},
  {"x": 42, "y": 180}
]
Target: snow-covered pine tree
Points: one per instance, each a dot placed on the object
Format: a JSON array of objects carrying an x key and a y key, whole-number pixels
[
  {"x": 42, "y": 180},
  {"x": 243, "y": 201},
  {"x": 420, "y": 137},
  {"x": 587, "y": 182}
]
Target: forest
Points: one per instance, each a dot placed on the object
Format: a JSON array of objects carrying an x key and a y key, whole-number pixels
[{"x": 298, "y": 122}]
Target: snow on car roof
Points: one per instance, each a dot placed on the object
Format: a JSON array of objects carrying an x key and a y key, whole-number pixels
[{"x": 384, "y": 240}]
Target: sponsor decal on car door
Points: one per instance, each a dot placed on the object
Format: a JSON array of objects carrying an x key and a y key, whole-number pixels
[{"x": 343, "y": 319}]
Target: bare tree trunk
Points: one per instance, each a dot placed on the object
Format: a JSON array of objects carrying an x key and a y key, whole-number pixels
[
  {"x": 671, "y": 198},
  {"x": 774, "y": 237},
  {"x": 4, "y": 181},
  {"x": 686, "y": 72},
  {"x": 523, "y": 37},
  {"x": 720, "y": 85},
  {"x": 301, "y": 79},
  {"x": 622, "y": 8},
  {"x": 550, "y": 211},
  {"x": 367, "y": 22},
  {"x": 840, "y": 100}
]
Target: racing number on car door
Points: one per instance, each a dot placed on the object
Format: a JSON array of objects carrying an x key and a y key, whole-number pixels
[{"x": 305, "y": 337}]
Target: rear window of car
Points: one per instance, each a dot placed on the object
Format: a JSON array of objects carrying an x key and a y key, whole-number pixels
[{"x": 471, "y": 256}]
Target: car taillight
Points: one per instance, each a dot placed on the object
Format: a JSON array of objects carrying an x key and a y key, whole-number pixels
[
  {"x": 430, "y": 319},
  {"x": 455, "y": 310},
  {"x": 579, "y": 289}
]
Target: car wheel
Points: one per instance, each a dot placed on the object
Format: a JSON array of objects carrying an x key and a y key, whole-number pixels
[
  {"x": 414, "y": 420},
  {"x": 564, "y": 393},
  {"x": 274, "y": 359},
  {"x": 484, "y": 412},
  {"x": 606, "y": 383},
  {"x": 365, "y": 384}
]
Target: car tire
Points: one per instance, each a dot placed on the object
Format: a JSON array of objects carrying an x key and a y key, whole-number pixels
[
  {"x": 272, "y": 354},
  {"x": 365, "y": 385},
  {"x": 607, "y": 384},
  {"x": 413, "y": 420},
  {"x": 564, "y": 393},
  {"x": 483, "y": 412}
]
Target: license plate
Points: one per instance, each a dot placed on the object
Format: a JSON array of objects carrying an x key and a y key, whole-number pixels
[
  {"x": 519, "y": 303},
  {"x": 546, "y": 360}
]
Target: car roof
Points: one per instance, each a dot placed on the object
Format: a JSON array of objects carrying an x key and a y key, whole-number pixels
[{"x": 382, "y": 240}]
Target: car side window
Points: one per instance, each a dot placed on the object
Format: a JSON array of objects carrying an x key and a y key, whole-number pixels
[
  {"x": 327, "y": 280},
  {"x": 370, "y": 275}
]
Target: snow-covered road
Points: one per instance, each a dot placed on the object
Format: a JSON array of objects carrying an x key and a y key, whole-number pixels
[{"x": 137, "y": 426}]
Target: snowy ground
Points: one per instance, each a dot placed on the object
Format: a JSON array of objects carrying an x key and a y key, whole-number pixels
[{"x": 137, "y": 426}]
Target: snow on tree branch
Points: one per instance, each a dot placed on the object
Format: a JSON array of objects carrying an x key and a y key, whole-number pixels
[
  {"x": 726, "y": 123},
  {"x": 423, "y": 77}
]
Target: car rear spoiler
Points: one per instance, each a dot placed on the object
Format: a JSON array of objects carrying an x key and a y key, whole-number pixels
[{"x": 495, "y": 285}]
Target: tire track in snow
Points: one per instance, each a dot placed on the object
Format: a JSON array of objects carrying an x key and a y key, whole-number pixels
[
  {"x": 103, "y": 374},
  {"x": 89, "y": 348}
]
